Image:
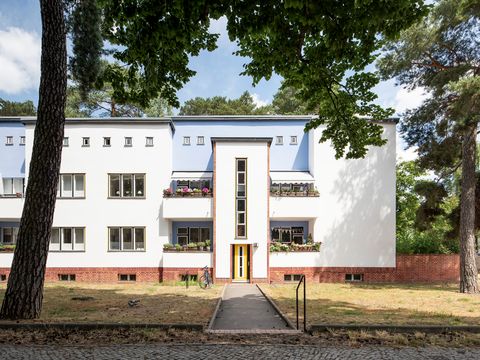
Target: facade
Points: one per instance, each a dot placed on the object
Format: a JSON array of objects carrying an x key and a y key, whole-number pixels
[{"x": 253, "y": 198}]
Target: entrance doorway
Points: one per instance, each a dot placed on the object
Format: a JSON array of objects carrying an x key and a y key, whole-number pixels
[{"x": 241, "y": 263}]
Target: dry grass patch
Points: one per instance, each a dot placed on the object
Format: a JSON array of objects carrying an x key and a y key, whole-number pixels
[
  {"x": 399, "y": 304},
  {"x": 158, "y": 303}
]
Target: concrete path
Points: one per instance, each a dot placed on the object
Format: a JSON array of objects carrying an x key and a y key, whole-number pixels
[{"x": 244, "y": 307}]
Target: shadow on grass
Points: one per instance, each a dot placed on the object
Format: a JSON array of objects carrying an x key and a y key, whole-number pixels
[{"x": 157, "y": 304}]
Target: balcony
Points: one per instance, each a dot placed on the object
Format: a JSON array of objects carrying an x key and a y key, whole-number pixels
[
  {"x": 187, "y": 207},
  {"x": 11, "y": 207},
  {"x": 184, "y": 259},
  {"x": 294, "y": 207}
]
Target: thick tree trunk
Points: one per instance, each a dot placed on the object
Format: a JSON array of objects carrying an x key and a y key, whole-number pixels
[
  {"x": 468, "y": 267},
  {"x": 24, "y": 295}
]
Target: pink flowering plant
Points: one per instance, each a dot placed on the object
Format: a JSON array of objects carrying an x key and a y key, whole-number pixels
[
  {"x": 205, "y": 191},
  {"x": 168, "y": 192}
]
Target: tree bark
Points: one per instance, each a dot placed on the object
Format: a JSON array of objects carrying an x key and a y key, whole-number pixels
[
  {"x": 468, "y": 267},
  {"x": 24, "y": 294}
]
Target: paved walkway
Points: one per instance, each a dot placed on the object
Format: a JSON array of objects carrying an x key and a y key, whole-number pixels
[
  {"x": 245, "y": 308},
  {"x": 231, "y": 352}
]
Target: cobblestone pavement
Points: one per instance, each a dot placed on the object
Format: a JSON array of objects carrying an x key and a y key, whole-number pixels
[{"x": 231, "y": 352}]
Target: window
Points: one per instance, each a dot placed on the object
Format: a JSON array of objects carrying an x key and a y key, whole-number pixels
[
  {"x": 65, "y": 141},
  {"x": 186, "y": 140},
  {"x": 107, "y": 142},
  {"x": 66, "y": 277},
  {"x": 288, "y": 234},
  {"x": 353, "y": 277},
  {"x": 67, "y": 239},
  {"x": 182, "y": 236},
  {"x": 241, "y": 199},
  {"x": 188, "y": 277},
  {"x": 127, "y": 277},
  {"x": 292, "y": 277},
  {"x": 86, "y": 142},
  {"x": 8, "y": 235},
  {"x": 9, "y": 140},
  {"x": 279, "y": 140},
  {"x": 126, "y": 185},
  {"x": 200, "y": 140},
  {"x": 3, "y": 277},
  {"x": 22, "y": 140},
  {"x": 126, "y": 238},
  {"x": 13, "y": 186},
  {"x": 149, "y": 141},
  {"x": 193, "y": 184},
  {"x": 293, "y": 140},
  {"x": 186, "y": 235},
  {"x": 71, "y": 186},
  {"x": 128, "y": 141}
]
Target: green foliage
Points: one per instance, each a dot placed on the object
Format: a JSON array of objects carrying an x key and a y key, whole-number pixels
[
  {"x": 13, "y": 108},
  {"x": 286, "y": 102},
  {"x": 219, "y": 105}
]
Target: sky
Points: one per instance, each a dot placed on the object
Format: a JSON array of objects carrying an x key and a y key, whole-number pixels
[{"x": 218, "y": 72}]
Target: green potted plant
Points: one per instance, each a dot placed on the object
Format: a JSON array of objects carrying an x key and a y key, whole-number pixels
[
  {"x": 309, "y": 239},
  {"x": 208, "y": 244},
  {"x": 178, "y": 247},
  {"x": 196, "y": 192},
  {"x": 168, "y": 192},
  {"x": 167, "y": 247},
  {"x": 201, "y": 245},
  {"x": 192, "y": 246}
]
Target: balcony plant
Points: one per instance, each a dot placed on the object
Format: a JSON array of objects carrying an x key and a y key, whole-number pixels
[
  {"x": 178, "y": 192},
  {"x": 205, "y": 191},
  {"x": 7, "y": 248},
  {"x": 186, "y": 191},
  {"x": 201, "y": 245},
  {"x": 178, "y": 247},
  {"x": 168, "y": 192},
  {"x": 208, "y": 244},
  {"x": 192, "y": 246},
  {"x": 167, "y": 247}
]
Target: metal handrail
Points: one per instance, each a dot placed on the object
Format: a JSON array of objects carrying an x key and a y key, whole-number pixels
[{"x": 302, "y": 279}]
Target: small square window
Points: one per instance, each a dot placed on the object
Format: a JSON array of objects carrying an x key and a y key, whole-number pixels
[
  {"x": 3, "y": 277},
  {"x": 22, "y": 140},
  {"x": 186, "y": 140},
  {"x": 200, "y": 140},
  {"x": 128, "y": 141},
  {"x": 287, "y": 277},
  {"x": 66, "y": 277},
  {"x": 127, "y": 277},
  {"x": 86, "y": 142},
  {"x": 353, "y": 277},
  {"x": 149, "y": 141},
  {"x": 9, "y": 140},
  {"x": 279, "y": 140},
  {"x": 293, "y": 140},
  {"x": 107, "y": 142},
  {"x": 65, "y": 141}
]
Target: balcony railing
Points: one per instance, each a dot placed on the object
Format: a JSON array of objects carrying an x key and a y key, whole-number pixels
[{"x": 188, "y": 192}]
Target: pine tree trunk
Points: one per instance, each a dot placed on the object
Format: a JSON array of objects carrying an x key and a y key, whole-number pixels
[
  {"x": 468, "y": 267},
  {"x": 24, "y": 295}
]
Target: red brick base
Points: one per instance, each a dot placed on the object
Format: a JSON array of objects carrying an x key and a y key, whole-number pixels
[
  {"x": 409, "y": 268},
  {"x": 175, "y": 274}
]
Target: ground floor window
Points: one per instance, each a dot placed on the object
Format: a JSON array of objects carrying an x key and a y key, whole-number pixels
[
  {"x": 67, "y": 239},
  {"x": 13, "y": 186},
  {"x": 8, "y": 235},
  {"x": 126, "y": 238},
  {"x": 353, "y": 277},
  {"x": 288, "y": 235},
  {"x": 292, "y": 277},
  {"x": 66, "y": 277},
  {"x": 127, "y": 277},
  {"x": 187, "y": 235}
]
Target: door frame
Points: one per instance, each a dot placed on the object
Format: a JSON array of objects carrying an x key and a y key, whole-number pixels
[{"x": 248, "y": 265}]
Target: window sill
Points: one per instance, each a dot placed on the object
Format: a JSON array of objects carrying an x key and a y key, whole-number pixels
[
  {"x": 72, "y": 198},
  {"x": 127, "y": 251},
  {"x": 66, "y": 251},
  {"x": 127, "y": 197}
]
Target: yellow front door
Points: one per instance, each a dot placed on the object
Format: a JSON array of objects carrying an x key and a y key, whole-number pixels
[{"x": 240, "y": 263}]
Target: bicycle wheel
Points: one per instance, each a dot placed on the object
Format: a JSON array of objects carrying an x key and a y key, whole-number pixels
[{"x": 203, "y": 282}]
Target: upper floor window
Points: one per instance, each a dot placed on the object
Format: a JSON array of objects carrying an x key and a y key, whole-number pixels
[
  {"x": 22, "y": 140},
  {"x": 13, "y": 186},
  {"x": 293, "y": 140},
  {"x": 126, "y": 185},
  {"x": 186, "y": 235},
  {"x": 279, "y": 140},
  {"x": 9, "y": 140},
  {"x": 128, "y": 141},
  {"x": 8, "y": 235},
  {"x": 149, "y": 141},
  {"x": 126, "y": 238},
  {"x": 71, "y": 186},
  {"x": 186, "y": 140},
  {"x": 107, "y": 142},
  {"x": 67, "y": 239},
  {"x": 200, "y": 140},
  {"x": 86, "y": 141},
  {"x": 65, "y": 141}
]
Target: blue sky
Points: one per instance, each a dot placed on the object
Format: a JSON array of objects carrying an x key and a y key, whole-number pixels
[{"x": 217, "y": 71}]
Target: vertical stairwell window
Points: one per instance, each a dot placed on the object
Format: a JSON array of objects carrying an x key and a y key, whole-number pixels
[{"x": 241, "y": 199}]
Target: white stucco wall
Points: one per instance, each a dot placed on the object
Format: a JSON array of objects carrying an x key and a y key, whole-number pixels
[
  {"x": 257, "y": 204},
  {"x": 187, "y": 259}
]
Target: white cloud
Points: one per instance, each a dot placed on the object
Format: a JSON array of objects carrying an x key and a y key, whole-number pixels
[
  {"x": 405, "y": 99},
  {"x": 405, "y": 154},
  {"x": 257, "y": 101},
  {"x": 19, "y": 60}
]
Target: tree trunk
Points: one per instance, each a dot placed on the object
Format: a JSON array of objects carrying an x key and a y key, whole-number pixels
[
  {"x": 24, "y": 295},
  {"x": 468, "y": 267}
]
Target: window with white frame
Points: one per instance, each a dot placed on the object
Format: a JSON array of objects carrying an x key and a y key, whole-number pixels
[
  {"x": 107, "y": 142},
  {"x": 200, "y": 140},
  {"x": 186, "y": 235},
  {"x": 85, "y": 141},
  {"x": 293, "y": 140},
  {"x": 279, "y": 140},
  {"x": 126, "y": 238},
  {"x": 126, "y": 185},
  {"x": 128, "y": 141},
  {"x": 241, "y": 199},
  {"x": 8, "y": 235},
  {"x": 13, "y": 186},
  {"x": 71, "y": 186},
  {"x": 353, "y": 277},
  {"x": 65, "y": 141},
  {"x": 22, "y": 140},
  {"x": 186, "y": 140},
  {"x": 67, "y": 239},
  {"x": 149, "y": 141},
  {"x": 9, "y": 140},
  {"x": 288, "y": 234}
]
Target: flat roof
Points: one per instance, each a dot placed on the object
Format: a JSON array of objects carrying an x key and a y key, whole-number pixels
[
  {"x": 242, "y": 139},
  {"x": 241, "y": 117}
]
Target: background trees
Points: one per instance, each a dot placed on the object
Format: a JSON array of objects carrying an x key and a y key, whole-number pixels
[{"x": 13, "y": 108}]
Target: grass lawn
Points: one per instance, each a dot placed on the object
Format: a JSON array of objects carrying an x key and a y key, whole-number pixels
[
  {"x": 380, "y": 304},
  {"x": 158, "y": 303}
]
